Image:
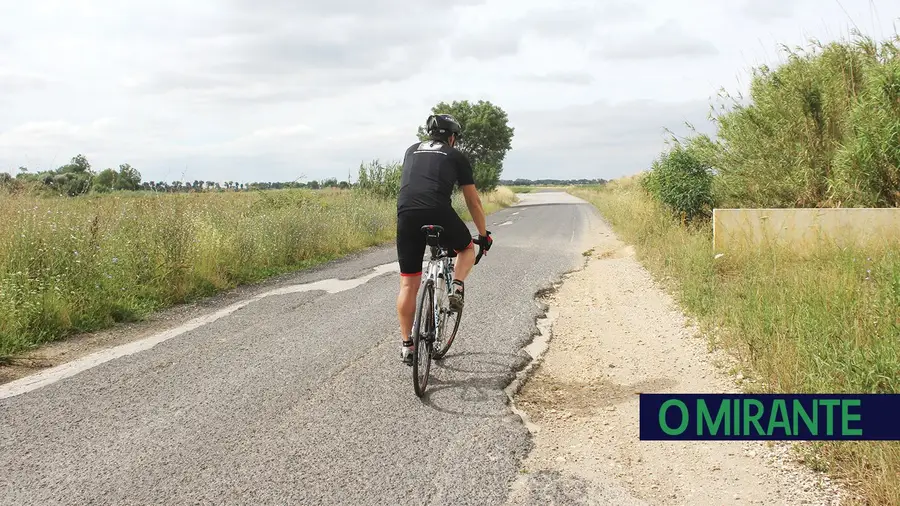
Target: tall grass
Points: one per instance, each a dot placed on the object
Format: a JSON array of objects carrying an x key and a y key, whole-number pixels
[
  {"x": 80, "y": 264},
  {"x": 71, "y": 265},
  {"x": 829, "y": 323},
  {"x": 381, "y": 179},
  {"x": 821, "y": 130}
]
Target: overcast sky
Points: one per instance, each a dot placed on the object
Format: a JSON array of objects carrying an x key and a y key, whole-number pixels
[{"x": 278, "y": 89}]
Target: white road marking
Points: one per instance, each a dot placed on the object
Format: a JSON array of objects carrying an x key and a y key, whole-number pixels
[
  {"x": 62, "y": 371},
  {"x": 505, "y": 223}
]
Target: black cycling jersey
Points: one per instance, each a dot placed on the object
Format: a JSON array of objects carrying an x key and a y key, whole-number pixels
[{"x": 430, "y": 170}]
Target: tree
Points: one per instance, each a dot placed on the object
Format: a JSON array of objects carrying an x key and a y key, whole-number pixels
[
  {"x": 486, "y": 137},
  {"x": 79, "y": 164},
  {"x": 105, "y": 181},
  {"x": 128, "y": 178}
]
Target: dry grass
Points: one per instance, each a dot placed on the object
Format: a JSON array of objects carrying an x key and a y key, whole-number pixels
[
  {"x": 81, "y": 264},
  {"x": 830, "y": 323},
  {"x": 70, "y": 265},
  {"x": 493, "y": 201}
]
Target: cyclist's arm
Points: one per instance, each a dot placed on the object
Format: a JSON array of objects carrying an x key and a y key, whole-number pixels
[
  {"x": 473, "y": 202},
  {"x": 467, "y": 185}
]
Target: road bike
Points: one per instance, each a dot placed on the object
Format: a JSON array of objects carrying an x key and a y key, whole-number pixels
[{"x": 431, "y": 322}]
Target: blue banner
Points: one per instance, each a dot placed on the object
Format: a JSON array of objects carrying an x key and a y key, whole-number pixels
[{"x": 711, "y": 417}]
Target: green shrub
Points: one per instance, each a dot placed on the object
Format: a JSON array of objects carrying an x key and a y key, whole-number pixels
[{"x": 682, "y": 180}]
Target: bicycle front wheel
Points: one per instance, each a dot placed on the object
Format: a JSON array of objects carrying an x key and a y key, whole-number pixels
[{"x": 423, "y": 337}]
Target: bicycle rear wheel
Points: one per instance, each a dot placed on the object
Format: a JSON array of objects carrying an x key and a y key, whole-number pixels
[{"x": 423, "y": 337}]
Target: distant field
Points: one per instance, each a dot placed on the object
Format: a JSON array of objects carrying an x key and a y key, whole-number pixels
[
  {"x": 522, "y": 189},
  {"x": 530, "y": 189},
  {"x": 80, "y": 264}
]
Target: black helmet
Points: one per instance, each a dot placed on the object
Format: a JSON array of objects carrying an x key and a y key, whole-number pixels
[{"x": 442, "y": 124}]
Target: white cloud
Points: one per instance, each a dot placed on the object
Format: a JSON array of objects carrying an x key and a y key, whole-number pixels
[
  {"x": 234, "y": 89},
  {"x": 37, "y": 135},
  {"x": 561, "y": 77},
  {"x": 18, "y": 82},
  {"x": 769, "y": 10},
  {"x": 600, "y": 139},
  {"x": 666, "y": 41}
]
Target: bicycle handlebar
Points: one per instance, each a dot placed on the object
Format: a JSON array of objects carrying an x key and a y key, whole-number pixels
[{"x": 481, "y": 251}]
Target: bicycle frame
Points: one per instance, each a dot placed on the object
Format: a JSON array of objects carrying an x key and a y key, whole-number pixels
[{"x": 440, "y": 265}]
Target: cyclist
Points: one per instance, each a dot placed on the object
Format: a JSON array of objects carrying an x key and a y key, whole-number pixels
[{"x": 430, "y": 171}]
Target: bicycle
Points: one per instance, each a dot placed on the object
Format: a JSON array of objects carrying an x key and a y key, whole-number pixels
[{"x": 432, "y": 308}]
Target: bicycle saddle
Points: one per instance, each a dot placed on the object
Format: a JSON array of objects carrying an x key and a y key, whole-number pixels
[{"x": 432, "y": 229}]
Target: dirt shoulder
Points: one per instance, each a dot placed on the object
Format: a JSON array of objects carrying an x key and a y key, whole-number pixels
[{"x": 615, "y": 333}]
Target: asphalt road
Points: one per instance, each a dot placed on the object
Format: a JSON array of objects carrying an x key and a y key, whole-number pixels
[{"x": 300, "y": 398}]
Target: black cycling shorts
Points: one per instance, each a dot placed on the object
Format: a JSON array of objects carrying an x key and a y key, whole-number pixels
[{"x": 411, "y": 239}]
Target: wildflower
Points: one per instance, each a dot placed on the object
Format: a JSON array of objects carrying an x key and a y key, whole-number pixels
[{"x": 115, "y": 260}]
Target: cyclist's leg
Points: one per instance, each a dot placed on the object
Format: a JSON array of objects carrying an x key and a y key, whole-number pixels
[
  {"x": 458, "y": 237},
  {"x": 410, "y": 253}
]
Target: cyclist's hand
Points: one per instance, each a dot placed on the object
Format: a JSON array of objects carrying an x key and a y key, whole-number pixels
[{"x": 485, "y": 241}]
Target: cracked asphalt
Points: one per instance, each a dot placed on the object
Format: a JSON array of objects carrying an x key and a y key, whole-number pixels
[{"x": 301, "y": 398}]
